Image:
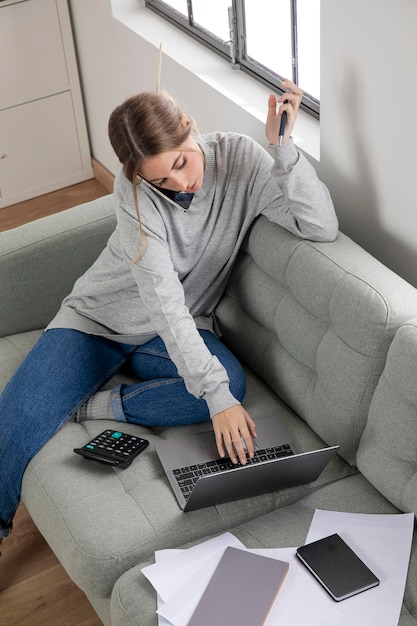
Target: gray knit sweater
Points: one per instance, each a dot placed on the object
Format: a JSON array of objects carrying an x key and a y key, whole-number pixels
[{"x": 174, "y": 287}]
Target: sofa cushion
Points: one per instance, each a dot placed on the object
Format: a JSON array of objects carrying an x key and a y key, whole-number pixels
[
  {"x": 315, "y": 320},
  {"x": 101, "y": 521},
  {"x": 133, "y": 601},
  {"x": 13, "y": 350},
  {"x": 387, "y": 454}
]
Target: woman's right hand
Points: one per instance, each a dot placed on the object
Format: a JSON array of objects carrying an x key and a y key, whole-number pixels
[
  {"x": 234, "y": 430},
  {"x": 290, "y": 102}
]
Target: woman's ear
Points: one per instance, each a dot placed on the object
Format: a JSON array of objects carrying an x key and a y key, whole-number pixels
[{"x": 185, "y": 120}]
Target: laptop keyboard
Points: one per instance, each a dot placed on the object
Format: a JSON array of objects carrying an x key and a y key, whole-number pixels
[{"x": 187, "y": 476}]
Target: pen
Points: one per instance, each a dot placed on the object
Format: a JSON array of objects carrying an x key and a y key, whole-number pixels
[{"x": 282, "y": 125}]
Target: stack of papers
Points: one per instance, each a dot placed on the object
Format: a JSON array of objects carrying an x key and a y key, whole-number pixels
[{"x": 180, "y": 577}]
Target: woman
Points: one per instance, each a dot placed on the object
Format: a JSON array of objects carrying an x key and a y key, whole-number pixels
[{"x": 184, "y": 203}]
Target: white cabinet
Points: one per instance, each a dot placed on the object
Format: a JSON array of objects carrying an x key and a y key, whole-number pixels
[{"x": 43, "y": 136}]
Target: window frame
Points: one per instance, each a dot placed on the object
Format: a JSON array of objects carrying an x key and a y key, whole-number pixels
[{"x": 234, "y": 50}]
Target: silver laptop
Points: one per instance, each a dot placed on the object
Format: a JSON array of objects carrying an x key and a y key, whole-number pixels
[{"x": 199, "y": 478}]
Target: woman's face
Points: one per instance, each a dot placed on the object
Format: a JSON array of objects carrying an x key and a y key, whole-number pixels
[{"x": 181, "y": 169}]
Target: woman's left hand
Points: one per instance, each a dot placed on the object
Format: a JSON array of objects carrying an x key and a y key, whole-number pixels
[{"x": 289, "y": 102}]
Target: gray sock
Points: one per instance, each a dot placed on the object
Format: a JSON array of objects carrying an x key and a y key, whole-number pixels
[{"x": 98, "y": 407}]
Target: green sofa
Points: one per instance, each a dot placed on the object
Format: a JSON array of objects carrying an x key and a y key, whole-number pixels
[{"x": 312, "y": 324}]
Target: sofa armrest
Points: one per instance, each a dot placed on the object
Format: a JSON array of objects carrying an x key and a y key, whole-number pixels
[
  {"x": 387, "y": 450},
  {"x": 40, "y": 261}
]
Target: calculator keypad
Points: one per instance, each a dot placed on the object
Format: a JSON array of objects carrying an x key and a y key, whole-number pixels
[{"x": 114, "y": 448}]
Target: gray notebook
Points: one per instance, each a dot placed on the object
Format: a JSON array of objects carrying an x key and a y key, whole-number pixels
[{"x": 241, "y": 590}]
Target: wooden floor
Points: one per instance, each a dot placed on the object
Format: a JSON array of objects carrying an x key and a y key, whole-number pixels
[
  {"x": 18, "y": 214},
  {"x": 34, "y": 588}
]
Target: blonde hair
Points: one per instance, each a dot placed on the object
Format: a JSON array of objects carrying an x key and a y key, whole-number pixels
[{"x": 144, "y": 126}]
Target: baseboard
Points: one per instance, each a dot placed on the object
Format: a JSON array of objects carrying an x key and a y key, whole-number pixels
[{"x": 103, "y": 175}]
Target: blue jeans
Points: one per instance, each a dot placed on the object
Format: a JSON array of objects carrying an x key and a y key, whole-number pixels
[{"x": 64, "y": 369}]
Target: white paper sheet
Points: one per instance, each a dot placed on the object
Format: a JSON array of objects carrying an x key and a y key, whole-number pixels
[
  {"x": 181, "y": 578},
  {"x": 160, "y": 557},
  {"x": 291, "y": 606},
  {"x": 382, "y": 541}
]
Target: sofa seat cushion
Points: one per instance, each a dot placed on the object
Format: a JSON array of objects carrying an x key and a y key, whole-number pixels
[
  {"x": 101, "y": 521},
  {"x": 133, "y": 599}
]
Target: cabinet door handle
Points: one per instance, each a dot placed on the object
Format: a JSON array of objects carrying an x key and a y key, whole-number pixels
[{"x": 3, "y": 155}]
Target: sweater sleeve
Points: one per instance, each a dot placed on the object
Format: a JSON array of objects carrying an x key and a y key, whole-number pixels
[
  {"x": 303, "y": 205},
  {"x": 163, "y": 295}
]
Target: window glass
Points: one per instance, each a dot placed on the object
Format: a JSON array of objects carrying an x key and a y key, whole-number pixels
[
  {"x": 212, "y": 15},
  {"x": 308, "y": 22},
  {"x": 268, "y": 34},
  {"x": 179, "y": 5}
]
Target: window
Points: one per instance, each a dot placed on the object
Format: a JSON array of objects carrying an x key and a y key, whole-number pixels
[{"x": 269, "y": 39}]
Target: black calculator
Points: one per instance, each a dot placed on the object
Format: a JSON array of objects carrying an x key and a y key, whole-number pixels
[{"x": 113, "y": 448}]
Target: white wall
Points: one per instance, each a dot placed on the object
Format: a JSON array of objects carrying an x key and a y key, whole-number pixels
[
  {"x": 368, "y": 121},
  {"x": 369, "y": 124}
]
